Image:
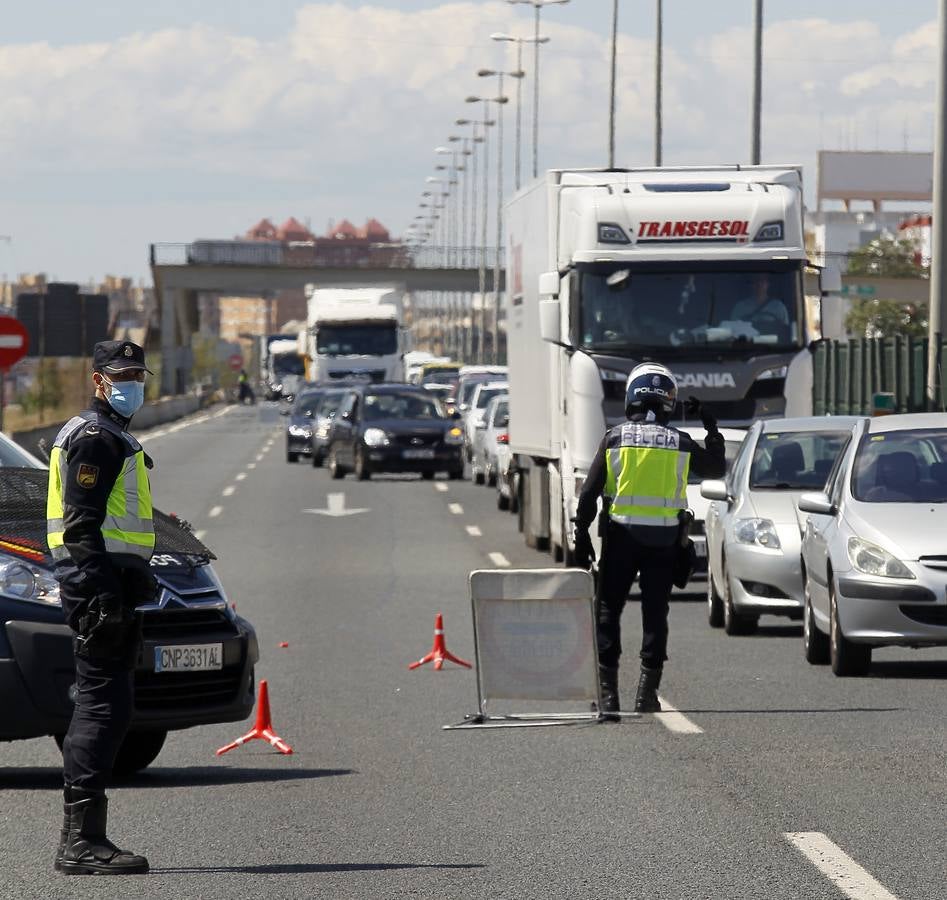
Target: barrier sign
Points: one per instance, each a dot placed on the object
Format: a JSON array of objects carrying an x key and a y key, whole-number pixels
[{"x": 534, "y": 632}]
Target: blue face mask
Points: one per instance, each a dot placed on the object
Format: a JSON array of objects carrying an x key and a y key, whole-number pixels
[{"x": 126, "y": 397}]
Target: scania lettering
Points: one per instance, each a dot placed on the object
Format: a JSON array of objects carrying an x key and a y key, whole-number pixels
[{"x": 697, "y": 268}]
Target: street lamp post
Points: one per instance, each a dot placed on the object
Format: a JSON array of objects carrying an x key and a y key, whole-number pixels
[
  {"x": 755, "y": 152},
  {"x": 537, "y": 8},
  {"x": 475, "y": 139}
]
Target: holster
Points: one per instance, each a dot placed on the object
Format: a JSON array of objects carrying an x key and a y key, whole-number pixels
[
  {"x": 107, "y": 633},
  {"x": 685, "y": 558}
]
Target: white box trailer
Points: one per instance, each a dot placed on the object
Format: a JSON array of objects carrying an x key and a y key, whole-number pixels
[{"x": 698, "y": 268}]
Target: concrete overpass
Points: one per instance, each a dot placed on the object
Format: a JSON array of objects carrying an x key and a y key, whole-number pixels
[{"x": 182, "y": 271}]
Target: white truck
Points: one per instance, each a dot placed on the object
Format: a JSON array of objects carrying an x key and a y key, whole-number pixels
[
  {"x": 698, "y": 268},
  {"x": 355, "y": 333},
  {"x": 281, "y": 367}
]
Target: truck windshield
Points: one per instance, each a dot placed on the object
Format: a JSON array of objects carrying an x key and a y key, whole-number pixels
[
  {"x": 357, "y": 340},
  {"x": 288, "y": 364},
  {"x": 713, "y": 308}
]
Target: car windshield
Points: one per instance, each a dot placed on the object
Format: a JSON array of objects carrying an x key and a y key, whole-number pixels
[
  {"x": 902, "y": 467},
  {"x": 402, "y": 406},
  {"x": 501, "y": 415},
  {"x": 795, "y": 460},
  {"x": 11, "y": 456},
  {"x": 448, "y": 378},
  {"x": 329, "y": 405},
  {"x": 624, "y": 310},
  {"x": 487, "y": 394},
  {"x": 357, "y": 340},
  {"x": 307, "y": 403},
  {"x": 288, "y": 364},
  {"x": 731, "y": 449},
  {"x": 467, "y": 388}
]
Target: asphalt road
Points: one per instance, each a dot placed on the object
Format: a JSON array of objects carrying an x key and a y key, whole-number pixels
[{"x": 378, "y": 801}]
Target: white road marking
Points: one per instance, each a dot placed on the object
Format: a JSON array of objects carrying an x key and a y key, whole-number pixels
[
  {"x": 455, "y": 508},
  {"x": 215, "y": 511},
  {"x": 833, "y": 862},
  {"x": 440, "y": 486},
  {"x": 241, "y": 476},
  {"x": 251, "y": 465},
  {"x": 676, "y": 721},
  {"x": 335, "y": 507},
  {"x": 474, "y": 531},
  {"x": 259, "y": 457},
  {"x": 498, "y": 559},
  {"x": 228, "y": 491},
  {"x": 200, "y": 534},
  {"x": 178, "y": 427}
]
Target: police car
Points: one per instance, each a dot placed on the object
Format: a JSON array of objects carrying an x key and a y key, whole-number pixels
[{"x": 196, "y": 664}]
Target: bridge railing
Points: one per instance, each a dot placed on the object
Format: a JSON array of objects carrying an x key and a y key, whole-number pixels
[{"x": 318, "y": 255}]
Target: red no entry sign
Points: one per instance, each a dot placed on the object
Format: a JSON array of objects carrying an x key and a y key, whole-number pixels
[
  {"x": 14, "y": 341},
  {"x": 236, "y": 362}
]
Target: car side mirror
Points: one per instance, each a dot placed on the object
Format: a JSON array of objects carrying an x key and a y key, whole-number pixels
[
  {"x": 309, "y": 414},
  {"x": 817, "y": 503},
  {"x": 714, "y": 490},
  {"x": 284, "y": 411}
]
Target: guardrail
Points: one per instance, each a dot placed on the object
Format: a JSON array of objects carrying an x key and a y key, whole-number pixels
[{"x": 322, "y": 254}]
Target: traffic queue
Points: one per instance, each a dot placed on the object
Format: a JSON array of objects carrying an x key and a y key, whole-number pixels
[{"x": 833, "y": 521}]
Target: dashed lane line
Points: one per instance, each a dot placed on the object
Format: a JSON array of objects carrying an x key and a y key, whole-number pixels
[
  {"x": 455, "y": 509},
  {"x": 186, "y": 423},
  {"x": 251, "y": 465},
  {"x": 241, "y": 476},
  {"x": 676, "y": 721},
  {"x": 215, "y": 511},
  {"x": 474, "y": 531},
  {"x": 259, "y": 457},
  {"x": 499, "y": 560},
  {"x": 848, "y": 876},
  {"x": 228, "y": 491},
  {"x": 440, "y": 486}
]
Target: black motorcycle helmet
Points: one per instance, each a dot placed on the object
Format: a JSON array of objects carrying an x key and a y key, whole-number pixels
[{"x": 650, "y": 386}]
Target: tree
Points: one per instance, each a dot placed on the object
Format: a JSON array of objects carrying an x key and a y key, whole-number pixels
[
  {"x": 873, "y": 318},
  {"x": 887, "y": 257}
]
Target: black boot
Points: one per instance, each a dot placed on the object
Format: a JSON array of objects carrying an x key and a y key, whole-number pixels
[
  {"x": 608, "y": 681},
  {"x": 646, "y": 700},
  {"x": 87, "y": 850},
  {"x": 64, "y": 833}
]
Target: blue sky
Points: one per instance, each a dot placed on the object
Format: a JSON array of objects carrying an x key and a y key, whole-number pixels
[{"x": 174, "y": 121}]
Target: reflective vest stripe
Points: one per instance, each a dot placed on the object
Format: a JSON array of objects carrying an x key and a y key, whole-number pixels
[{"x": 650, "y": 521}]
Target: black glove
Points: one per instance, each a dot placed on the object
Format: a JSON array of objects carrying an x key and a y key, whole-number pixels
[
  {"x": 105, "y": 629},
  {"x": 695, "y": 409},
  {"x": 584, "y": 551}
]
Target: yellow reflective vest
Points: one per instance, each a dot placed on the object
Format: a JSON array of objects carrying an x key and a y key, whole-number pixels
[
  {"x": 646, "y": 474},
  {"x": 128, "y": 528}
]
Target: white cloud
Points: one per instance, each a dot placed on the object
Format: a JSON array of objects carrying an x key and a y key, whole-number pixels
[{"x": 352, "y": 99}]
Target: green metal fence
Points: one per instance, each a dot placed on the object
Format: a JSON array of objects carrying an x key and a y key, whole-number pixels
[{"x": 847, "y": 374}]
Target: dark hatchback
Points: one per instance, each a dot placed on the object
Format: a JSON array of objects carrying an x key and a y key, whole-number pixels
[
  {"x": 299, "y": 428},
  {"x": 190, "y": 611},
  {"x": 394, "y": 428}
]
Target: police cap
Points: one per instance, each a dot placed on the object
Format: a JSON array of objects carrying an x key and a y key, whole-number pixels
[{"x": 119, "y": 356}]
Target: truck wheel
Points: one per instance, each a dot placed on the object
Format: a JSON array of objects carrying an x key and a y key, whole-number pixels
[{"x": 138, "y": 751}]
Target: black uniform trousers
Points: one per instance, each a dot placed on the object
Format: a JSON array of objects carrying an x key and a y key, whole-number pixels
[
  {"x": 623, "y": 558},
  {"x": 104, "y": 699}
]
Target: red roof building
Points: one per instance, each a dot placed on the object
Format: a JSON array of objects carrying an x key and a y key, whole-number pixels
[{"x": 293, "y": 230}]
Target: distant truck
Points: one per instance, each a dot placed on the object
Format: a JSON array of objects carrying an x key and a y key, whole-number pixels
[
  {"x": 697, "y": 268},
  {"x": 355, "y": 333},
  {"x": 282, "y": 369}
]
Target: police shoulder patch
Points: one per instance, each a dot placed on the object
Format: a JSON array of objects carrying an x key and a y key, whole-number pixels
[{"x": 87, "y": 476}]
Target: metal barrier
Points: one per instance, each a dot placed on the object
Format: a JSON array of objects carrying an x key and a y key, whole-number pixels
[{"x": 847, "y": 374}]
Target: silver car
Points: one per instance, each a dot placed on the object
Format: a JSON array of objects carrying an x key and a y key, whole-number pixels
[
  {"x": 474, "y": 417},
  {"x": 875, "y": 544},
  {"x": 490, "y": 435},
  {"x": 753, "y": 525}
]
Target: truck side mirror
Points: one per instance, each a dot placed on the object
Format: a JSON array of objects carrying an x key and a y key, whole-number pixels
[
  {"x": 549, "y": 324},
  {"x": 830, "y": 280},
  {"x": 549, "y": 286}
]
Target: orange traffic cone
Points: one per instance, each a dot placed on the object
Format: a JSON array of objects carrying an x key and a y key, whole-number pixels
[
  {"x": 439, "y": 651},
  {"x": 263, "y": 727}
]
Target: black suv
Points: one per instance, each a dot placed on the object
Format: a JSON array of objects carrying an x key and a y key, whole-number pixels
[{"x": 196, "y": 666}]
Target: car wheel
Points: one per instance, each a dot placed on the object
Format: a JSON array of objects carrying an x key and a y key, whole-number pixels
[
  {"x": 733, "y": 622},
  {"x": 503, "y": 502},
  {"x": 335, "y": 468},
  {"x": 714, "y": 602},
  {"x": 427, "y": 476},
  {"x": 138, "y": 751},
  {"x": 291, "y": 457},
  {"x": 477, "y": 477},
  {"x": 456, "y": 474},
  {"x": 815, "y": 644},
  {"x": 491, "y": 477},
  {"x": 846, "y": 657},
  {"x": 515, "y": 497},
  {"x": 362, "y": 472},
  {"x": 316, "y": 459}
]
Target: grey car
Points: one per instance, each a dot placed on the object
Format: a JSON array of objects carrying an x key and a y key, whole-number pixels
[
  {"x": 875, "y": 544},
  {"x": 753, "y": 525}
]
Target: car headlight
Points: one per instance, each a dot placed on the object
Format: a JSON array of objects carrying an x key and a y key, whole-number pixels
[
  {"x": 761, "y": 532},
  {"x": 27, "y": 582},
  {"x": 303, "y": 431},
  {"x": 375, "y": 437},
  {"x": 323, "y": 430},
  {"x": 454, "y": 435},
  {"x": 870, "y": 559}
]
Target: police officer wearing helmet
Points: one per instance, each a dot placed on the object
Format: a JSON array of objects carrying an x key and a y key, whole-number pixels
[
  {"x": 100, "y": 532},
  {"x": 641, "y": 470}
]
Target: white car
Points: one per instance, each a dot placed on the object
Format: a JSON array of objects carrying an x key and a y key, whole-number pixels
[
  {"x": 489, "y": 435},
  {"x": 754, "y": 541},
  {"x": 875, "y": 544},
  {"x": 476, "y": 411}
]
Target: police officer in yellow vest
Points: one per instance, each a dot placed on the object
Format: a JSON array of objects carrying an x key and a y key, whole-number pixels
[
  {"x": 100, "y": 532},
  {"x": 641, "y": 470}
]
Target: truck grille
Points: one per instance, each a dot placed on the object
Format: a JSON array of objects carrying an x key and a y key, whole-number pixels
[{"x": 375, "y": 375}]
